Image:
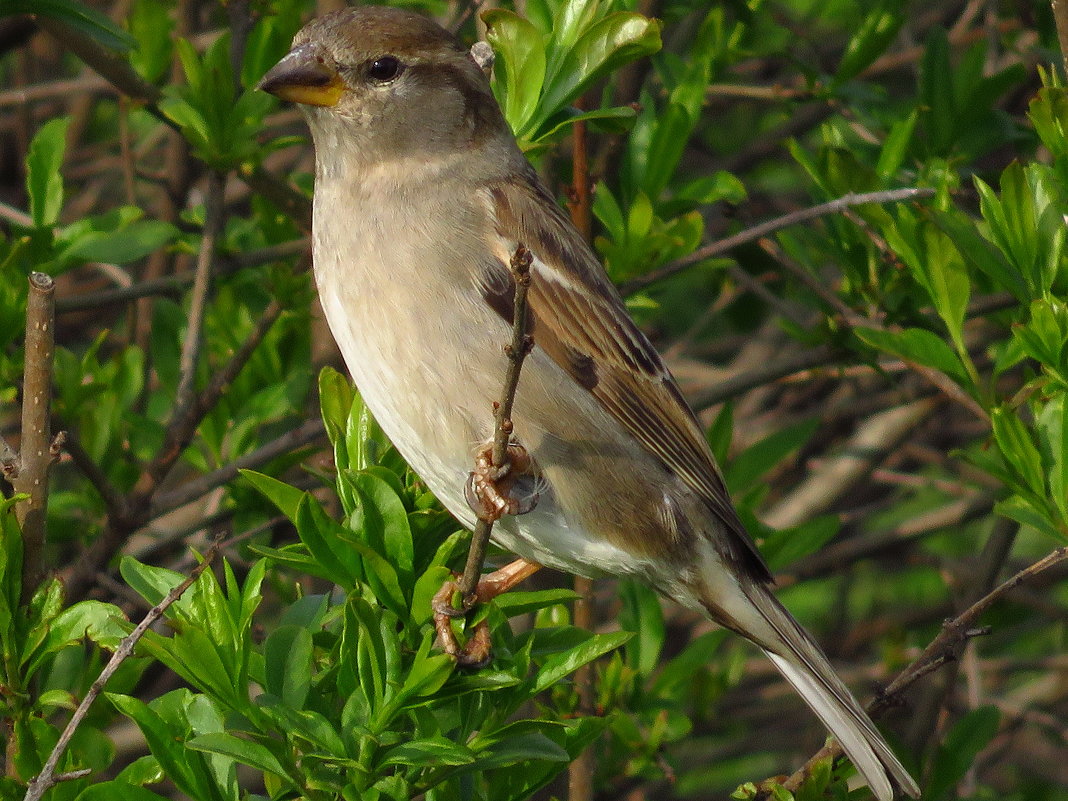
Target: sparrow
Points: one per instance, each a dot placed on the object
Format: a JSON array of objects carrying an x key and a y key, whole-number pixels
[{"x": 421, "y": 199}]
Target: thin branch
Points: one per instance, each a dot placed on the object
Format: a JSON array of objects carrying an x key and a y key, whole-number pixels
[
  {"x": 767, "y": 373},
  {"x": 113, "y": 499},
  {"x": 176, "y": 284},
  {"x": 38, "y": 450},
  {"x": 190, "y": 358},
  {"x": 771, "y": 226},
  {"x": 47, "y": 779},
  {"x": 303, "y": 435},
  {"x": 516, "y": 351},
  {"x": 869, "y": 443}
]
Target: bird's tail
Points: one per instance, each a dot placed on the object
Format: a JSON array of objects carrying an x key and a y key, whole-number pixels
[{"x": 804, "y": 665}]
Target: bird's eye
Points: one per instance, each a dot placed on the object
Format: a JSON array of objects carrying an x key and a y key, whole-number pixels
[{"x": 383, "y": 69}]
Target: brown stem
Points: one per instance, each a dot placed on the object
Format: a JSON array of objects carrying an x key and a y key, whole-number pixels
[
  {"x": 187, "y": 413},
  {"x": 40, "y": 784},
  {"x": 516, "y": 351},
  {"x": 580, "y": 772},
  {"x": 37, "y": 450},
  {"x": 768, "y": 373}
]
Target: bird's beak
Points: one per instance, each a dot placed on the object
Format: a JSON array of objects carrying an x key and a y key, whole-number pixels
[{"x": 304, "y": 76}]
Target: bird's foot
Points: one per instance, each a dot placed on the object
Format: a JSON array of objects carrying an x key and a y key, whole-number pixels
[
  {"x": 488, "y": 487},
  {"x": 477, "y": 651}
]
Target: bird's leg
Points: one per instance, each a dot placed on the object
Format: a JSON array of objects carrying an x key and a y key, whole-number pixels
[
  {"x": 488, "y": 486},
  {"x": 476, "y": 651}
]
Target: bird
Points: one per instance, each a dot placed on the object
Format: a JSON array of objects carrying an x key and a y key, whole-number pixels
[{"x": 421, "y": 199}]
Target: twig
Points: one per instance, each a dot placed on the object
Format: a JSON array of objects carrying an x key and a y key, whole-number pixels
[
  {"x": 767, "y": 373},
  {"x": 516, "y": 351},
  {"x": 1060, "y": 18},
  {"x": 191, "y": 490},
  {"x": 176, "y": 284},
  {"x": 944, "y": 648},
  {"x": 38, "y": 450},
  {"x": 113, "y": 499},
  {"x": 187, "y": 365},
  {"x": 771, "y": 226},
  {"x": 43, "y": 782},
  {"x": 581, "y": 770}
]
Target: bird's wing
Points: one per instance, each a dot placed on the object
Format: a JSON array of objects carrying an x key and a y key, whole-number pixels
[{"x": 579, "y": 320}]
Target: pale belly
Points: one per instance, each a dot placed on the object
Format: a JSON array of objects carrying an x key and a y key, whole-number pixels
[{"x": 432, "y": 389}]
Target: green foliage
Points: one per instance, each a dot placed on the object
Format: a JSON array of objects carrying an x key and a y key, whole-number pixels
[
  {"x": 355, "y": 702},
  {"x": 553, "y": 56},
  {"x": 305, "y": 658}
]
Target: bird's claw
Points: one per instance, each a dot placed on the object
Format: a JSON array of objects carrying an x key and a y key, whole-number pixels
[
  {"x": 476, "y": 652},
  {"x": 488, "y": 486}
]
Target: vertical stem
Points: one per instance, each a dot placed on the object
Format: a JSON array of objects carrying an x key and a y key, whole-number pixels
[
  {"x": 36, "y": 455},
  {"x": 580, "y": 772}
]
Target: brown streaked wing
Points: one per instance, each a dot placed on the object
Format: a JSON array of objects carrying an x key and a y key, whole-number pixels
[{"x": 580, "y": 321}]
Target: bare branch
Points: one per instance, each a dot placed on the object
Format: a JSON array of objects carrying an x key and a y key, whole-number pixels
[{"x": 771, "y": 226}]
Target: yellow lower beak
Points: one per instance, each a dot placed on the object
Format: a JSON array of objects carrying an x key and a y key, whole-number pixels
[{"x": 304, "y": 76}]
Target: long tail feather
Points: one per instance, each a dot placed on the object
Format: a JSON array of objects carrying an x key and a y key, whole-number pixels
[{"x": 804, "y": 665}]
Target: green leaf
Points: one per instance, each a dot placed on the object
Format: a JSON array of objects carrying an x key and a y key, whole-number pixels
[
  {"x": 520, "y": 603},
  {"x": 282, "y": 495},
  {"x": 243, "y": 751},
  {"x": 613, "y": 41},
  {"x": 434, "y": 751},
  {"x": 1052, "y": 428},
  {"x": 785, "y": 546},
  {"x": 150, "y": 582},
  {"x": 428, "y": 672},
  {"x": 642, "y": 615},
  {"x": 1028, "y": 512},
  {"x": 381, "y": 519},
  {"x": 518, "y": 743},
  {"x": 328, "y": 542},
  {"x": 746, "y": 468},
  {"x": 956, "y": 755},
  {"x": 558, "y": 666},
  {"x": 44, "y": 183},
  {"x": 151, "y": 28},
  {"x": 124, "y": 245},
  {"x": 1018, "y": 448},
  {"x": 895, "y": 147},
  {"x": 519, "y": 71},
  {"x": 918, "y": 346},
  {"x": 287, "y": 657},
  {"x": 102, "y": 623},
  {"x": 117, "y": 790},
  {"x": 336, "y": 398}
]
